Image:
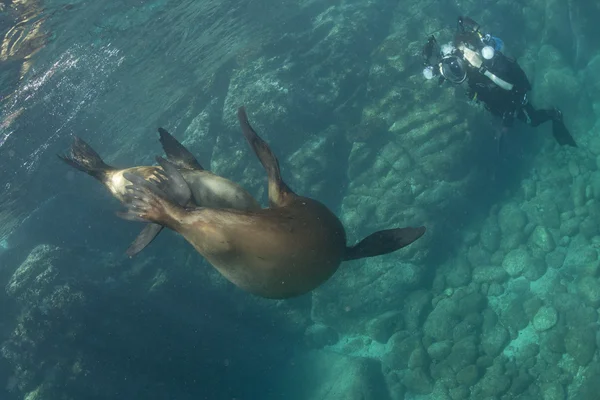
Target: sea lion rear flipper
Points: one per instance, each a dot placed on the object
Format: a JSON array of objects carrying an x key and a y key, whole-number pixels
[
  {"x": 84, "y": 158},
  {"x": 145, "y": 237},
  {"x": 177, "y": 153},
  {"x": 277, "y": 187},
  {"x": 383, "y": 242}
]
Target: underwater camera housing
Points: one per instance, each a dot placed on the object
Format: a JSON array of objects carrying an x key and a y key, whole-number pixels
[
  {"x": 449, "y": 62},
  {"x": 445, "y": 62}
]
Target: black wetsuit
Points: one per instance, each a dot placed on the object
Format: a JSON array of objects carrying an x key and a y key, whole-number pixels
[
  {"x": 511, "y": 104},
  {"x": 506, "y": 104}
]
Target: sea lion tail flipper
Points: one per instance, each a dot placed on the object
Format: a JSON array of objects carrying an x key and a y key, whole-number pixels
[
  {"x": 146, "y": 236},
  {"x": 157, "y": 200},
  {"x": 277, "y": 187},
  {"x": 383, "y": 242},
  {"x": 177, "y": 153},
  {"x": 84, "y": 158}
]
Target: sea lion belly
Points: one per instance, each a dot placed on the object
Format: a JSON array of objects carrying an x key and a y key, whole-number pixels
[{"x": 272, "y": 253}]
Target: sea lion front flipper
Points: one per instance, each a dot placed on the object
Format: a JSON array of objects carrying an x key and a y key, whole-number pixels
[
  {"x": 177, "y": 153},
  {"x": 179, "y": 192},
  {"x": 278, "y": 190},
  {"x": 145, "y": 237},
  {"x": 383, "y": 242},
  {"x": 178, "y": 189},
  {"x": 152, "y": 201},
  {"x": 155, "y": 200}
]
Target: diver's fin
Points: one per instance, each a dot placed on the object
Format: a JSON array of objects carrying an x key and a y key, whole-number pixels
[
  {"x": 383, "y": 242},
  {"x": 145, "y": 237},
  {"x": 561, "y": 133},
  {"x": 177, "y": 153},
  {"x": 82, "y": 157},
  {"x": 278, "y": 190}
]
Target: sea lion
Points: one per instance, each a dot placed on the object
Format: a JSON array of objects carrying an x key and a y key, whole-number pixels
[
  {"x": 279, "y": 252},
  {"x": 207, "y": 189}
]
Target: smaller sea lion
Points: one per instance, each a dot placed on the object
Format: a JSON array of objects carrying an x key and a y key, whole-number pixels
[
  {"x": 207, "y": 189},
  {"x": 279, "y": 252}
]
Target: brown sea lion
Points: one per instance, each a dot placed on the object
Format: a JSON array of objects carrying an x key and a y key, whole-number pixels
[
  {"x": 279, "y": 252},
  {"x": 207, "y": 189}
]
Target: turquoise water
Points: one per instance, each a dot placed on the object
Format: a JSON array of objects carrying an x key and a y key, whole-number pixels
[{"x": 498, "y": 300}]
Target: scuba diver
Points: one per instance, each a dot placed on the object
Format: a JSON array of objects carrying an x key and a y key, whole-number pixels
[{"x": 493, "y": 78}]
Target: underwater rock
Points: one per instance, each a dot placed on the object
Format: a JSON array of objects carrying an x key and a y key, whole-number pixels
[
  {"x": 418, "y": 358},
  {"x": 543, "y": 211},
  {"x": 545, "y": 318},
  {"x": 459, "y": 273},
  {"x": 556, "y": 258},
  {"x": 543, "y": 239},
  {"x": 417, "y": 305},
  {"x": 494, "y": 382},
  {"x": 516, "y": 261},
  {"x": 494, "y": 340},
  {"x": 570, "y": 227},
  {"x": 401, "y": 345},
  {"x": 554, "y": 340},
  {"x": 418, "y": 381},
  {"x": 531, "y": 306},
  {"x": 581, "y": 316},
  {"x": 383, "y": 326},
  {"x": 464, "y": 353},
  {"x": 362, "y": 290},
  {"x": 490, "y": 235},
  {"x": 46, "y": 288},
  {"x": 580, "y": 343},
  {"x": 578, "y": 192},
  {"x": 478, "y": 256},
  {"x": 468, "y": 326},
  {"x": 590, "y": 384},
  {"x": 439, "y": 350},
  {"x": 511, "y": 218},
  {"x": 588, "y": 228},
  {"x": 552, "y": 391},
  {"x": 468, "y": 375},
  {"x": 489, "y": 274},
  {"x": 535, "y": 270},
  {"x": 319, "y": 335},
  {"x": 495, "y": 289},
  {"x": 513, "y": 240},
  {"x": 441, "y": 321},
  {"x": 579, "y": 256},
  {"x": 520, "y": 384},
  {"x": 33, "y": 276},
  {"x": 513, "y": 316},
  {"x": 589, "y": 288},
  {"x": 326, "y": 375},
  {"x": 471, "y": 303},
  {"x": 459, "y": 393}
]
